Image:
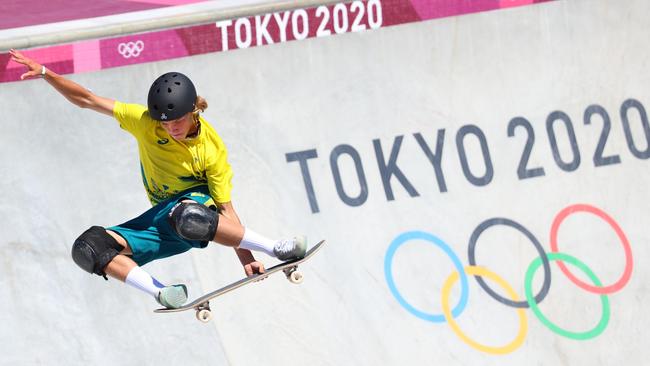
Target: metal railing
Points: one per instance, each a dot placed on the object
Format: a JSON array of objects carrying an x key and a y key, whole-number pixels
[{"x": 144, "y": 21}]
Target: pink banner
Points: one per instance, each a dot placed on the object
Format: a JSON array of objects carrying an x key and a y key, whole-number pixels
[{"x": 261, "y": 30}]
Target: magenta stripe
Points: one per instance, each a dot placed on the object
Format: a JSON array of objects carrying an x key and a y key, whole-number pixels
[
  {"x": 166, "y": 2},
  {"x": 246, "y": 32},
  {"x": 87, "y": 56}
]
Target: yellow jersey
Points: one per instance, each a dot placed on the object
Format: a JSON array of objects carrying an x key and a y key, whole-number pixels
[{"x": 169, "y": 166}]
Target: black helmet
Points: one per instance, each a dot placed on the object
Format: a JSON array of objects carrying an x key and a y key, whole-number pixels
[{"x": 171, "y": 96}]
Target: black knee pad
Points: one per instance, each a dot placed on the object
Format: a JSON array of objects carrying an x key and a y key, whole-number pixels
[
  {"x": 94, "y": 249},
  {"x": 194, "y": 221}
]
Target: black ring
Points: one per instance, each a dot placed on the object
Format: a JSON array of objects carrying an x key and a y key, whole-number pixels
[{"x": 547, "y": 268}]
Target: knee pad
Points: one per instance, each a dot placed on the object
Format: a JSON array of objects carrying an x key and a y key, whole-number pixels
[
  {"x": 94, "y": 249},
  {"x": 194, "y": 221}
]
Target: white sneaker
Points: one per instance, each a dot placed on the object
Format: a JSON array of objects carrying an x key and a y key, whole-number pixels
[
  {"x": 287, "y": 249},
  {"x": 172, "y": 297}
]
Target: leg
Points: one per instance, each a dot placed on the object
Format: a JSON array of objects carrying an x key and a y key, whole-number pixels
[
  {"x": 126, "y": 270},
  {"x": 96, "y": 246},
  {"x": 121, "y": 265},
  {"x": 233, "y": 234},
  {"x": 229, "y": 232},
  {"x": 194, "y": 221},
  {"x": 111, "y": 248}
]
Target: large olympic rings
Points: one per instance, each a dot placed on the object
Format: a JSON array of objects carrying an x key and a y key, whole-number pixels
[
  {"x": 531, "y": 301},
  {"x": 388, "y": 271},
  {"x": 479, "y": 271},
  {"x": 542, "y": 254},
  {"x": 627, "y": 272},
  {"x": 600, "y": 327}
]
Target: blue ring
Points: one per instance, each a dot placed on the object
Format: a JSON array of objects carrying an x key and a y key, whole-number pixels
[{"x": 388, "y": 272}]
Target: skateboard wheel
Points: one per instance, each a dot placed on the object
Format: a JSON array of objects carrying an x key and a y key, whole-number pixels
[
  {"x": 204, "y": 315},
  {"x": 296, "y": 277}
]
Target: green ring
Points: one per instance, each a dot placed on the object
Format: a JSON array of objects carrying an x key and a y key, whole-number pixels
[{"x": 528, "y": 288}]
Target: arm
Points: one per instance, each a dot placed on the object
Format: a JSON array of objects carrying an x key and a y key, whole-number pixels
[
  {"x": 251, "y": 266},
  {"x": 75, "y": 93}
]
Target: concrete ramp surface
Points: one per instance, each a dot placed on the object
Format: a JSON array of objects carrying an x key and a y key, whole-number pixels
[{"x": 480, "y": 176}]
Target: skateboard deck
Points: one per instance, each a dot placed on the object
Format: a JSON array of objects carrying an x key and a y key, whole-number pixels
[{"x": 202, "y": 304}]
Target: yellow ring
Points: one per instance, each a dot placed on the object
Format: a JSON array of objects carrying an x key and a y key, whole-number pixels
[{"x": 446, "y": 309}]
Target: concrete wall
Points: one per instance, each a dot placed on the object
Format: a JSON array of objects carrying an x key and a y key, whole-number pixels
[{"x": 409, "y": 138}]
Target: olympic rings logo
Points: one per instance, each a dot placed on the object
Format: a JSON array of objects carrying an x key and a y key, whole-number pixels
[
  {"x": 130, "y": 49},
  {"x": 531, "y": 301}
]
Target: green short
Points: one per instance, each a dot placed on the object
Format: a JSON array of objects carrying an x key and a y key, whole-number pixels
[{"x": 151, "y": 236}]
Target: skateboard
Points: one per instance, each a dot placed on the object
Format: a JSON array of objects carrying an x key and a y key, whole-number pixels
[{"x": 202, "y": 304}]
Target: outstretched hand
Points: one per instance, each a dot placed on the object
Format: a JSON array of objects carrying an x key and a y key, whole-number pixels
[{"x": 34, "y": 68}]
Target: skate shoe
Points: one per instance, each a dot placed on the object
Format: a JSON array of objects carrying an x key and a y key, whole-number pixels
[
  {"x": 172, "y": 297},
  {"x": 287, "y": 249}
]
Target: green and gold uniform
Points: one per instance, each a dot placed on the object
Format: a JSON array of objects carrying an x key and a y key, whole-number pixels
[{"x": 171, "y": 171}]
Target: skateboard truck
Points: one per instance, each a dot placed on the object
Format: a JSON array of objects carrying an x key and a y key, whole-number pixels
[
  {"x": 293, "y": 275},
  {"x": 203, "y": 312}
]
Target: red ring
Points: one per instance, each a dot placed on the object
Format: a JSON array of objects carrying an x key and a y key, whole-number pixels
[{"x": 619, "y": 232}]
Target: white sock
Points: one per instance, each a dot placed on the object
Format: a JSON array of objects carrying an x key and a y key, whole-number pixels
[
  {"x": 142, "y": 280},
  {"x": 257, "y": 242}
]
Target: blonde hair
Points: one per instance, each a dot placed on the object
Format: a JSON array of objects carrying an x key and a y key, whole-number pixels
[{"x": 199, "y": 106}]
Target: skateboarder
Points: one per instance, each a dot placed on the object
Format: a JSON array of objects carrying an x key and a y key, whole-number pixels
[{"x": 187, "y": 178}]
